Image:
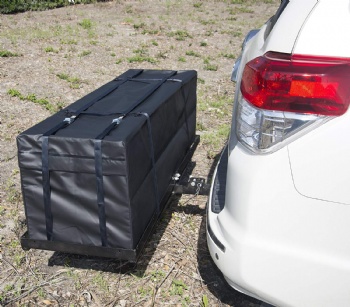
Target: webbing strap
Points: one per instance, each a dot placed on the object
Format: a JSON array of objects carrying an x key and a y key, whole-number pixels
[
  {"x": 47, "y": 187},
  {"x": 98, "y": 157},
  {"x": 100, "y": 192},
  {"x": 45, "y": 156},
  {"x": 115, "y": 122},
  {"x": 93, "y": 101},
  {"x": 185, "y": 111},
  {"x": 151, "y": 145}
]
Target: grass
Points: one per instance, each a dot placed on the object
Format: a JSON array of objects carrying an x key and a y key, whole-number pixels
[
  {"x": 180, "y": 35},
  {"x": 192, "y": 53},
  {"x": 86, "y": 24},
  {"x": 7, "y": 54},
  {"x": 182, "y": 39},
  {"x": 141, "y": 58},
  {"x": 11, "y": 7},
  {"x": 32, "y": 97},
  {"x": 213, "y": 139},
  {"x": 51, "y": 49},
  {"x": 74, "y": 82},
  {"x": 85, "y": 53}
]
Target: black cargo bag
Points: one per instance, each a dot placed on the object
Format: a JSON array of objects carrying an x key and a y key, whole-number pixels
[{"x": 94, "y": 175}]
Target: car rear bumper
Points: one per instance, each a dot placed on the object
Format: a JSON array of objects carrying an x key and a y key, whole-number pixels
[{"x": 272, "y": 243}]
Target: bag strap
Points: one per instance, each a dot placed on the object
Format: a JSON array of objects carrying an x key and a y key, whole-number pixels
[
  {"x": 98, "y": 157},
  {"x": 45, "y": 154},
  {"x": 73, "y": 115},
  {"x": 116, "y": 121}
]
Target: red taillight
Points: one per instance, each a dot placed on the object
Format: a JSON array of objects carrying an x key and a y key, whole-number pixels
[{"x": 296, "y": 83}]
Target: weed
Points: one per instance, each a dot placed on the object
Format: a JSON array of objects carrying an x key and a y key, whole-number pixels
[
  {"x": 150, "y": 32},
  {"x": 157, "y": 275},
  {"x": 186, "y": 301},
  {"x": 213, "y": 139},
  {"x": 13, "y": 195},
  {"x": 205, "y": 301},
  {"x": 113, "y": 54},
  {"x": 86, "y": 24},
  {"x": 74, "y": 81},
  {"x": 100, "y": 282},
  {"x": 211, "y": 67},
  {"x": 145, "y": 291},
  {"x": 207, "y": 22},
  {"x": 41, "y": 292},
  {"x": 128, "y": 9},
  {"x": 162, "y": 55},
  {"x": 32, "y": 97},
  {"x": 85, "y": 53},
  {"x": 200, "y": 80},
  {"x": 237, "y": 34},
  {"x": 141, "y": 58},
  {"x": 180, "y": 35},
  {"x": 93, "y": 42},
  {"x": 198, "y": 4},
  {"x": 200, "y": 126},
  {"x": 177, "y": 287},
  {"x": 15, "y": 93},
  {"x": 18, "y": 258},
  {"x": 181, "y": 59},
  {"x": 128, "y": 20},
  {"x": 7, "y": 54},
  {"x": 192, "y": 53},
  {"x": 51, "y": 49},
  {"x": 118, "y": 61},
  {"x": 154, "y": 43},
  {"x": 138, "y": 26},
  {"x": 203, "y": 44},
  {"x": 240, "y": 9},
  {"x": 229, "y": 55}
]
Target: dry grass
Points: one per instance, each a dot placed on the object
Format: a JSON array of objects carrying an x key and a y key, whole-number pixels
[{"x": 63, "y": 54}]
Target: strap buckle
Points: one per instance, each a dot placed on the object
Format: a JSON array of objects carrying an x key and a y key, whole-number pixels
[
  {"x": 69, "y": 120},
  {"x": 117, "y": 120}
]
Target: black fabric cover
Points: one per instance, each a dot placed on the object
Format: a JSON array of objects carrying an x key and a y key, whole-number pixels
[{"x": 67, "y": 191}]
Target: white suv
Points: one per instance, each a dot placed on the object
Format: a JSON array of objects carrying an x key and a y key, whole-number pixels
[{"x": 278, "y": 222}]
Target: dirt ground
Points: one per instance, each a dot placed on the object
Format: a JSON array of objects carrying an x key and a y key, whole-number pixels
[{"x": 55, "y": 57}]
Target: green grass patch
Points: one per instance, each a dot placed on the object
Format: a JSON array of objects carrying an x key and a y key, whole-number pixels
[
  {"x": 180, "y": 35},
  {"x": 229, "y": 56},
  {"x": 51, "y": 49},
  {"x": 86, "y": 24},
  {"x": 17, "y": 6},
  {"x": 140, "y": 58},
  {"x": 7, "y": 54},
  {"x": 192, "y": 53},
  {"x": 85, "y": 53},
  {"x": 32, "y": 97},
  {"x": 73, "y": 81}
]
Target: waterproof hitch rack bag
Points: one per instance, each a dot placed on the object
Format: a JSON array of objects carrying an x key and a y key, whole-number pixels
[{"x": 96, "y": 175}]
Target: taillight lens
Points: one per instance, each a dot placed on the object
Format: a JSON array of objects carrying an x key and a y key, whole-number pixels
[
  {"x": 282, "y": 94},
  {"x": 296, "y": 83}
]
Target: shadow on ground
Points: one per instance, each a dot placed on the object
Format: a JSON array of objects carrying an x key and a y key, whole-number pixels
[{"x": 208, "y": 271}]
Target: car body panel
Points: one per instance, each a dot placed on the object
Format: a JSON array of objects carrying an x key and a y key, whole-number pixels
[
  {"x": 284, "y": 223},
  {"x": 325, "y": 29}
]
